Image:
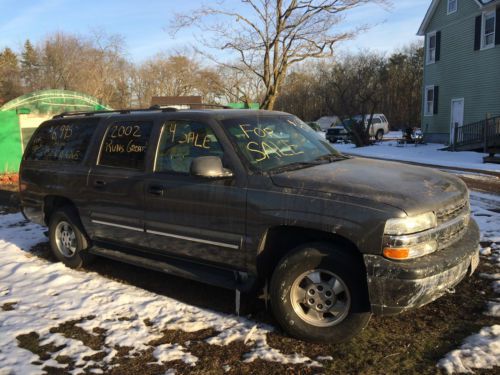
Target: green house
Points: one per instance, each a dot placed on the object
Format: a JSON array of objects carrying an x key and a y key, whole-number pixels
[
  {"x": 20, "y": 117},
  {"x": 461, "y": 87}
]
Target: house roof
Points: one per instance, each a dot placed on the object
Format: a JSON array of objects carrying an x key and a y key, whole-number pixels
[{"x": 432, "y": 9}]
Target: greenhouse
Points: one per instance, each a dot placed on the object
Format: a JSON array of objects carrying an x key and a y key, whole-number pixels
[{"x": 21, "y": 116}]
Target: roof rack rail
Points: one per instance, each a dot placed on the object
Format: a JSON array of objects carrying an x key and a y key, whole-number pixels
[
  {"x": 172, "y": 106},
  {"x": 155, "y": 107}
]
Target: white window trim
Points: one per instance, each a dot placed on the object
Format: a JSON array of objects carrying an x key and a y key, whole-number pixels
[
  {"x": 428, "y": 49},
  {"x": 448, "y": 8},
  {"x": 427, "y": 88},
  {"x": 483, "y": 29}
]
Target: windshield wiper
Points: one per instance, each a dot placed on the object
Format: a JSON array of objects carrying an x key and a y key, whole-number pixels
[
  {"x": 293, "y": 166},
  {"x": 331, "y": 158}
]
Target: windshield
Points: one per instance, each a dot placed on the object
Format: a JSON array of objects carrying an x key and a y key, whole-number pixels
[{"x": 272, "y": 143}]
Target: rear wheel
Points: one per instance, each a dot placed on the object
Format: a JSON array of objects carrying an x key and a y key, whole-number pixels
[
  {"x": 318, "y": 294},
  {"x": 67, "y": 238},
  {"x": 380, "y": 135}
]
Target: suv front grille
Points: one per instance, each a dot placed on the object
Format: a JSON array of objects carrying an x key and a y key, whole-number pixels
[
  {"x": 451, "y": 234},
  {"x": 458, "y": 212},
  {"x": 450, "y": 212}
]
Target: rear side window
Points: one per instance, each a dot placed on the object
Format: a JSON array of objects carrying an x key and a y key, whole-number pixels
[
  {"x": 125, "y": 144},
  {"x": 62, "y": 141}
]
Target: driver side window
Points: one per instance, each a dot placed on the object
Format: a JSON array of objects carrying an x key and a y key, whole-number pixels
[{"x": 181, "y": 142}]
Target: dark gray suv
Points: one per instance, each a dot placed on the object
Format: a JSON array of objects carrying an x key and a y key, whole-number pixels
[{"x": 246, "y": 200}]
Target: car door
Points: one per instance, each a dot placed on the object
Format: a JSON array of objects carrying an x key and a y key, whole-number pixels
[
  {"x": 116, "y": 183},
  {"x": 193, "y": 217}
]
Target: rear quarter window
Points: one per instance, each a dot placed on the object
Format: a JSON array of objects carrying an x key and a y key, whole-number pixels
[
  {"x": 125, "y": 144},
  {"x": 61, "y": 141}
]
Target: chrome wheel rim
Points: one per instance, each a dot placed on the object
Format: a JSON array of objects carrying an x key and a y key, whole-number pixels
[
  {"x": 320, "y": 298},
  {"x": 65, "y": 239}
]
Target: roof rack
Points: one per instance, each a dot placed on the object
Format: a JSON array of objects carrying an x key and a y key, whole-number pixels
[{"x": 155, "y": 107}]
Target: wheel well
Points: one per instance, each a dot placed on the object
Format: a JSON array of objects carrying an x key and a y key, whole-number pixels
[
  {"x": 280, "y": 240},
  {"x": 52, "y": 203}
]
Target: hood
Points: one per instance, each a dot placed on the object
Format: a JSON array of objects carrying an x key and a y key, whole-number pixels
[{"x": 410, "y": 188}]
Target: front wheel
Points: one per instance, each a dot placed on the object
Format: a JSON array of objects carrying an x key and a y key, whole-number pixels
[
  {"x": 318, "y": 294},
  {"x": 380, "y": 135},
  {"x": 67, "y": 238}
]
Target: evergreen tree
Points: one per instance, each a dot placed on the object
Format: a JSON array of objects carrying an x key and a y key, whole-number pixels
[
  {"x": 31, "y": 67},
  {"x": 10, "y": 78}
]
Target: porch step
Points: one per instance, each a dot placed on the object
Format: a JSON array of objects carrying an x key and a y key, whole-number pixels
[{"x": 492, "y": 159}]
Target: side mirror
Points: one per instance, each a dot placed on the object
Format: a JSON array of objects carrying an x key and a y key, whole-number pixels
[{"x": 209, "y": 167}]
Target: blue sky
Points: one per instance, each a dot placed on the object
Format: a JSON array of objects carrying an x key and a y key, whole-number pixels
[{"x": 143, "y": 24}]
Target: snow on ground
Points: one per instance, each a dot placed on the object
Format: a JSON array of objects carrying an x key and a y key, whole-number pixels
[
  {"x": 46, "y": 294},
  {"x": 426, "y": 154},
  {"x": 482, "y": 350}
]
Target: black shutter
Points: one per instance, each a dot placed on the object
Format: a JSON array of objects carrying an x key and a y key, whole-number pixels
[
  {"x": 477, "y": 36},
  {"x": 436, "y": 99},
  {"x": 497, "y": 28},
  {"x": 438, "y": 45}
]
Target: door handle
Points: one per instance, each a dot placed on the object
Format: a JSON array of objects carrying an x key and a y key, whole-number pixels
[
  {"x": 99, "y": 183},
  {"x": 156, "y": 190}
]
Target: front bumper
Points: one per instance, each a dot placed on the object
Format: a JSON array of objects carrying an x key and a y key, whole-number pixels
[{"x": 395, "y": 287}]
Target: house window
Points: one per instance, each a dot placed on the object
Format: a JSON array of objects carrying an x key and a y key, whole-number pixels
[
  {"x": 452, "y": 6},
  {"x": 431, "y": 48},
  {"x": 488, "y": 30},
  {"x": 429, "y": 101}
]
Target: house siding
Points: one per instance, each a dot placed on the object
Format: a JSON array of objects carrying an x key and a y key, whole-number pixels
[{"x": 461, "y": 71}]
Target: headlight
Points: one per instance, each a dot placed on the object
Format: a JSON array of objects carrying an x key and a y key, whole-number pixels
[
  {"x": 410, "y": 224},
  {"x": 403, "y": 238}
]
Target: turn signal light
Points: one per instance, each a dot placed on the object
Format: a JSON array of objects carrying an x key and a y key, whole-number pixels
[{"x": 396, "y": 253}]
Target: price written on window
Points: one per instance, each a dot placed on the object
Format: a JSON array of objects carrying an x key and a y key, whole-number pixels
[
  {"x": 61, "y": 133},
  {"x": 264, "y": 143},
  {"x": 57, "y": 149},
  {"x": 125, "y": 139},
  {"x": 196, "y": 139}
]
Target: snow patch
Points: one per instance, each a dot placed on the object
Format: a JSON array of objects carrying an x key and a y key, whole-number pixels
[
  {"x": 174, "y": 352},
  {"x": 49, "y": 294},
  {"x": 479, "y": 351},
  {"x": 431, "y": 153}
]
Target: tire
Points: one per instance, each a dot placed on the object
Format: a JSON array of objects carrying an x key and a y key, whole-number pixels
[
  {"x": 67, "y": 238},
  {"x": 340, "y": 274},
  {"x": 380, "y": 135}
]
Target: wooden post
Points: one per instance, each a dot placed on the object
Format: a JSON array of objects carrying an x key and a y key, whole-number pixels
[{"x": 485, "y": 133}]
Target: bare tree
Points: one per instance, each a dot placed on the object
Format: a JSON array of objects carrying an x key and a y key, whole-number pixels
[
  {"x": 239, "y": 85},
  {"x": 269, "y": 36},
  {"x": 357, "y": 83},
  {"x": 173, "y": 75}
]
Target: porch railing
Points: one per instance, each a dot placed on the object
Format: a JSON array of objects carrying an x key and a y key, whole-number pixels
[{"x": 483, "y": 134}]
